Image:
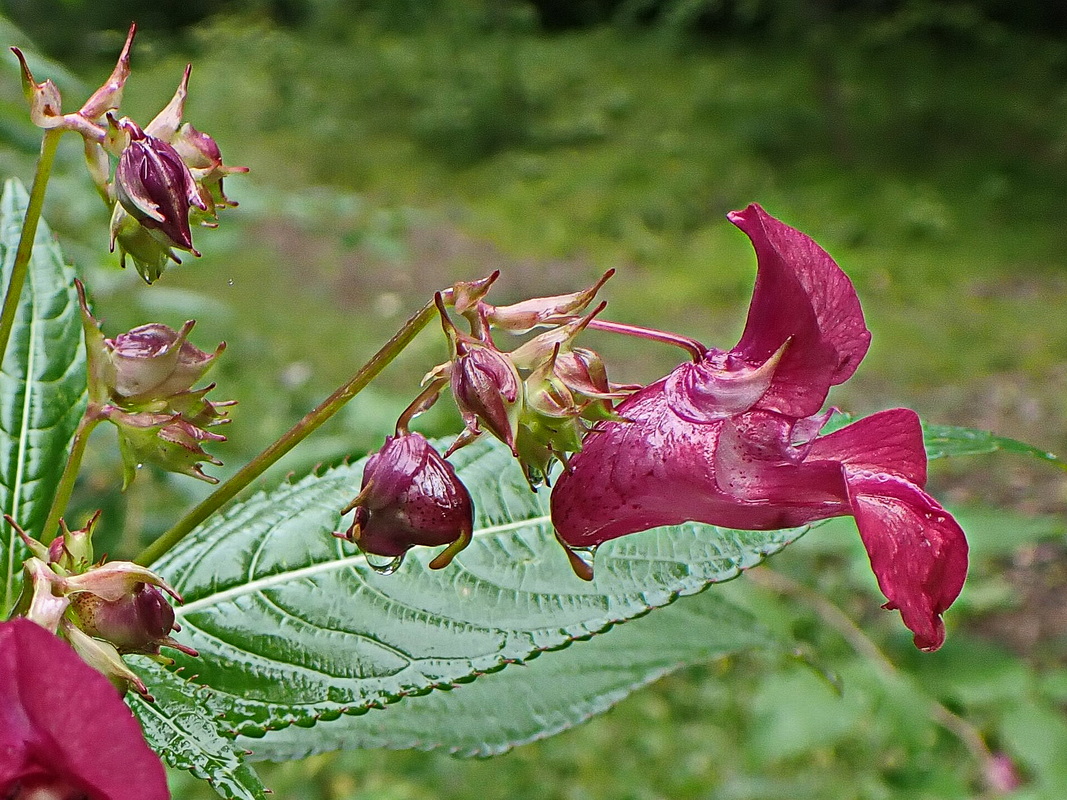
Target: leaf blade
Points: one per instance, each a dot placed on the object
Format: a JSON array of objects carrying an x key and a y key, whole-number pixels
[
  {"x": 42, "y": 386},
  {"x": 293, "y": 627},
  {"x": 945, "y": 441},
  {"x": 545, "y": 696},
  {"x": 178, "y": 726}
]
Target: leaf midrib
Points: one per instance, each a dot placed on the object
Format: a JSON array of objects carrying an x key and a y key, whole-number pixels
[{"x": 257, "y": 585}]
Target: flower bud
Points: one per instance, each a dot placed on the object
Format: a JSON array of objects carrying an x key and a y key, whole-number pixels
[
  {"x": 410, "y": 496},
  {"x": 72, "y": 551},
  {"x": 166, "y": 440},
  {"x": 140, "y": 621},
  {"x": 199, "y": 151},
  {"x": 149, "y": 255},
  {"x": 487, "y": 390},
  {"x": 155, "y": 186},
  {"x": 154, "y": 362}
]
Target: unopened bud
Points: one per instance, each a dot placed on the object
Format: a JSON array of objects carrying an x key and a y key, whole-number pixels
[
  {"x": 488, "y": 390},
  {"x": 154, "y": 362},
  {"x": 410, "y": 496},
  {"x": 149, "y": 255},
  {"x": 140, "y": 621},
  {"x": 166, "y": 440},
  {"x": 155, "y": 186}
]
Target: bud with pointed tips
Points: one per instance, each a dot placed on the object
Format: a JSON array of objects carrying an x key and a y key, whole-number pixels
[
  {"x": 149, "y": 255},
  {"x": 541, "y": 311},
  {"x": 139, "y": 621},
  {"x": 410, "y": 496},
  {"x": 155, "y": 186},
  {"x": 166, "y": 440},
  {"x": 488, "y": 390},
  {"x": 154, "y": 362}
]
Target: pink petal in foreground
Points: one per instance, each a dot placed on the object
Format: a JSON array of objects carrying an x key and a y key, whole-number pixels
[{"x": 64, "y": 727}]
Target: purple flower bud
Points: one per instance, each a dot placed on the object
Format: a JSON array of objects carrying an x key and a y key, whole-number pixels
[
  {"x": 410, "y": 496},
  {"x": 155, "y": 362},
  {"x": 487, "y": 390},
  {"x": 140, "y": 621},
  {"x": 155, "y": 186}
]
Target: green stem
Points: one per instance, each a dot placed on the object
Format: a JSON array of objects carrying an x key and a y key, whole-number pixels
[
  {"x": 29, "y": 231},
  {"x": 326, "y": 409},
  {"x": 89, "y": 421}
]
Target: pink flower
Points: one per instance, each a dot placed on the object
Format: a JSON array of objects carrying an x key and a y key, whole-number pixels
[
  {"x": 64, "y": 730},
  {"x": 731, "y": 440}
]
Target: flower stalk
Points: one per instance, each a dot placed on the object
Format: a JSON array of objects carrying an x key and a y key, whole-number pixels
[
  {"x": 89, "y": 421},
  {"x": 21, "y": 266}
]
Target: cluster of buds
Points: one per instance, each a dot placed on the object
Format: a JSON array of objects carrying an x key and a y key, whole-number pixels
[
  {"x": 543, "y": 397},
  {"x": 540, "y": 399},
  {"x": 105, "y": 610},
  {"x": 166, "y": 174},
  {"x": 142, "y": 382}
]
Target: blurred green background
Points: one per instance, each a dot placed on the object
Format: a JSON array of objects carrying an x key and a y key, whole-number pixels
[{"x": 396, "y": 146}]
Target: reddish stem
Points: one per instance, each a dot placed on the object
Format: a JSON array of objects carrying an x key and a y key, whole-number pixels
[{"x": 691, "y": 346}]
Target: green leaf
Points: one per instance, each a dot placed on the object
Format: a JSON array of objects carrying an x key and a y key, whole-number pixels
[
  {"x": 42, "y": 386},
  {"x": 293, "y": 626},
  {"x": 944, "y": 441},
  {"x": 179, "y": 727},
  {"x": 542, "y": 697}
]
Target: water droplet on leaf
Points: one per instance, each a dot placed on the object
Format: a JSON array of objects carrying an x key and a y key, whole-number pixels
[{"x": 387, "y": 567}]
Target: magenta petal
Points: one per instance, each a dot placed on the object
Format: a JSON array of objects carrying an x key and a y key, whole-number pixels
[
  {"x": 886, "y": 442},
  {"x": 62, "y": 724},
  {"x": 918, "y": 551},
  {"x": 801, "y": 296},
  {"x": 660, "y": 469}
]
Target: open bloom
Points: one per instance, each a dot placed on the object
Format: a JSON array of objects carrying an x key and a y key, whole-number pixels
[
  {"x": 64, "y": 731},
  {"x": 733, "y": 440}
]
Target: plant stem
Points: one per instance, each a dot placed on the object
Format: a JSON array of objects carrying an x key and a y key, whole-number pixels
[
  {"x": 21, "y": 266},
  {"x": 327, "y": 408},
  {"x": 691, "y": 346},
  {"x": 89, "y": 420},
  {"x": 833, "y": 616}
]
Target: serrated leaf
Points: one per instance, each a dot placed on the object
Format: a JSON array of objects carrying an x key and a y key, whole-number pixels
[
  {"x": 293, "y": 626},
  {"x": 542, "y": 697},
  {"x": 179, "y": 727},
  {"x": 944, "y": 441},
  {"x": 42, "y": 386}
]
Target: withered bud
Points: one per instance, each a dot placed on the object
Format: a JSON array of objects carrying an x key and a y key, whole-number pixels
[{"x": 543, "y": 311}]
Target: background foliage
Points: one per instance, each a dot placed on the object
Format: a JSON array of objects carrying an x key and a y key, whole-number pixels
[{"x": 399, "y": 146}]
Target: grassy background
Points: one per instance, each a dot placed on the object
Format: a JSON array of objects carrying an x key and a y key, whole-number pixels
[{"x": 388, "y": 160}]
